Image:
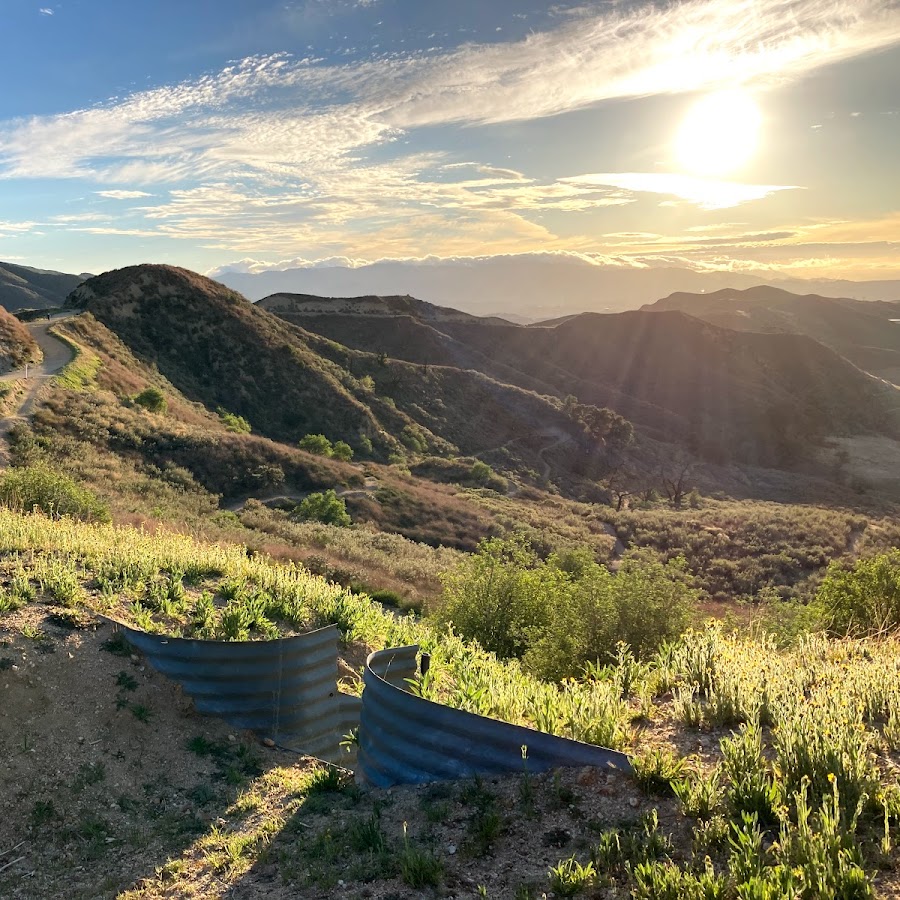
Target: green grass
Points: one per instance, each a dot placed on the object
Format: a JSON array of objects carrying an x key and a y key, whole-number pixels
[{"x": 80, "y": 373}]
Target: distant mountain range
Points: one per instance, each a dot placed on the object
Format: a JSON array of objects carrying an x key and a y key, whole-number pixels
[
  {"x": 22, "y": 287},
  {"x": 722, "y": 392},
  {"x": 866, "y": 333},
  {"x": 541, "y": 286}
]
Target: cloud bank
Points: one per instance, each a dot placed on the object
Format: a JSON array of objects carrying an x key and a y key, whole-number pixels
[{"x": 275, "y": 153}]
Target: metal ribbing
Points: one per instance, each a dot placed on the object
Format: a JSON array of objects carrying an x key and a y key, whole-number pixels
[
  {"x": 284, "y": 689},
  {"x": 405, "y": 739}
]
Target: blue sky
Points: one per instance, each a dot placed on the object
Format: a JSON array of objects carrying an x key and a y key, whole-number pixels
[{"x": 257, "y": 134}]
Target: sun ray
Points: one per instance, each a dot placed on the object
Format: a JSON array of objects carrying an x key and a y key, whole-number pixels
[{"x": 719, "y": 135}]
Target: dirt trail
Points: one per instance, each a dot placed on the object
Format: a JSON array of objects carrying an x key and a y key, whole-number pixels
[
  {"x": 856, "y": 536},
  {"x": 561, "y": 438},
  {"x": 57, "y": 354},
  {"x": 297, "y": 496}
]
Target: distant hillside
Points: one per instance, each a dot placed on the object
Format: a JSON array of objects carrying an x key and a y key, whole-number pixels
[
  {"x": 728, "y": 394},
  {"x": 22, "y": 287},
  {"x": 400, "y": 327},
  {"x": 866, "y": 333},
  {"x": 221, "y": 350},
  {"x": 17, "y": 346}
]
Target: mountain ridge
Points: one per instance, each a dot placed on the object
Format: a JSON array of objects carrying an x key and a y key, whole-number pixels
[{"x": 25, "y": 287}]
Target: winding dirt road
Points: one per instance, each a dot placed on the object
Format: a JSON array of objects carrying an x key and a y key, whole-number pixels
[{"x": 57, "y": 355}]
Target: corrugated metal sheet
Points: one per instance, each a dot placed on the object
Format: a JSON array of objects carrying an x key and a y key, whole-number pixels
[
  {"x": 284, "y": 689},
  {"x": 404, "y": 739}
]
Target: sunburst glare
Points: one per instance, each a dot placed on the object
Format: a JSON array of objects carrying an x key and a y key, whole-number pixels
[{"x": 719, "y": 135}]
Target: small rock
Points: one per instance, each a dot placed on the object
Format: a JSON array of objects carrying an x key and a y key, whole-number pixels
[
  {"x": 232, "y": 738},
  {"x": 633, "y": 802},
  {"x": 268, "y": 742},
  {"x": 451, "y": 849}
]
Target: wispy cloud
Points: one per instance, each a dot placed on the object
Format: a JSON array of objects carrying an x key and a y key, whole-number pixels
[
  {"x": 122, "y": 194},
  {"x": 707, "y": 193},
  {"x": 45, "y": 11},
  {"x": 275, "y": 151}
]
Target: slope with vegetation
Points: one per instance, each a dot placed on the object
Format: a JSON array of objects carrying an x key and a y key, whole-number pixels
[
  {"x": 730, "y": 395},
  {"x": 765, "y": 747},
  {"x": 866, "y": 333},
  {"x": 222, "y": 351},
  {"x": 17, "y": 346},
  {"x": 759, "y": 772},
  {"x": 22, "y": 287}
]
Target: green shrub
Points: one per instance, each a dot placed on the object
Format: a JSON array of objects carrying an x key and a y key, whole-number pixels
[
  {"x": 53, "y": 493},
  {"x": 481, "y": 472},
  {"x": 237, "y": 424},
  {"x": 152, "y": 399},
  {"x": 325, "y": 507},
  {"x": 559, "y": 617},
  {"x": 342, "y": 450},
  {"x": 862, "y": 600},
  {"x": 316, "y": 443}
]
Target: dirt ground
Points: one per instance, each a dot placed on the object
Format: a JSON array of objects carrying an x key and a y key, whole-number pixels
[
  {"x": 97, "y": 785},
  {"x": 102, "y": 796}
]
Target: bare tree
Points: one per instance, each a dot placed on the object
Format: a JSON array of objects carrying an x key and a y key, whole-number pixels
[{"x": 673, "y": 474}]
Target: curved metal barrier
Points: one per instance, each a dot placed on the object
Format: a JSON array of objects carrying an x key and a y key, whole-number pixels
[
  {"x": 284, "y": 689},
  {"x": 404, "y": 739}
]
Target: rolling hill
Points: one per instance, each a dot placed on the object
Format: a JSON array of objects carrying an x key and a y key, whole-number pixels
[
  {"x": 727, "y": 393},
  {"x": 221, "y": 350},
  {"x": 22, "y": 287},
  {"x": 865, "y": 332}
]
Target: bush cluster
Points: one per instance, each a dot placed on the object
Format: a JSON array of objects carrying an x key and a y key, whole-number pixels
[
  {"x": 560, "y": 614},
  {"x": 54, "y": 494},
  {"x": 320, "y": 445},
  {"x": 152, "y": 399},
  {"x": 325, "y": 507}
]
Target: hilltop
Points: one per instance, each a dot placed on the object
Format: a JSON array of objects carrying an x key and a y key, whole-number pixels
[
  {"x": 865, "y": 332},
  {"x": 22, "y": 287},
  {"x": 221, "y": 350},
  {"x": 286, "y": 305}
]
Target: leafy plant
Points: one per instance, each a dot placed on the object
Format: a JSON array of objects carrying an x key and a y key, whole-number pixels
[
  {"x": 569, "y": 877},
  {"x": 325, "y": 507},
  {"x": 316, "y": 443},
  {"x": 152, "y": 399}
]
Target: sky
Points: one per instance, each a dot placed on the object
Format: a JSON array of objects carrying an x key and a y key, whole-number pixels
[{"x": 757, "y": 136}]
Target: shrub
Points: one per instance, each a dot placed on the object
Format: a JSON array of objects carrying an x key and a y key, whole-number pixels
[
  {"x": 325, "y": 507},
  {"x": 53, "y": 493},
  {"x": 237, "y": 424},
  {"x": 481, "y": 472},
  {"x": 558, "y": 616},
  {"x": 316, "y": 443},
  {"x": 862, "y": 600},
  {"x": 342, "y": 450},
  {"x": 152, "y": 399}
]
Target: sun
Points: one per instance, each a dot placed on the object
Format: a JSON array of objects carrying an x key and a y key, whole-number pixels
[{"x": 719, "y": 134}]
